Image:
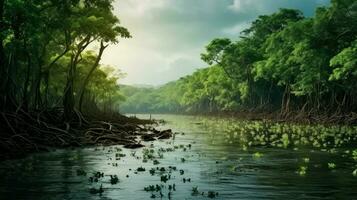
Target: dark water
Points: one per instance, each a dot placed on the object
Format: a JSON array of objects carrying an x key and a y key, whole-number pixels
[{"x": 214, "y": 162}]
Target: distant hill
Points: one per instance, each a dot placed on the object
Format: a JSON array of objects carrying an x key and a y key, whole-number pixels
[{"x": 142, "y": 86}]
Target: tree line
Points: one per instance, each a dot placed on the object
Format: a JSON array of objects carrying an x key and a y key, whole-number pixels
[
  {"x": 50, "y": 53},
  {"x": 283, "y": 62}
]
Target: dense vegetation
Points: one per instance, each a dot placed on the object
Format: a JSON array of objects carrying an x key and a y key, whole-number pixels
[
  {"x": 53, "y": 89},
  {"x": 284, "y": 63},
  {"x": 45, "y": 55}
]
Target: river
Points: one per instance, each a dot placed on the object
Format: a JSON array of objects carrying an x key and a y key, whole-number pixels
[{"x": 202, "y": 161}]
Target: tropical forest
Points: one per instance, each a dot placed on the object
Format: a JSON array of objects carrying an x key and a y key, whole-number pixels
[{"x": 178, "y": 99}]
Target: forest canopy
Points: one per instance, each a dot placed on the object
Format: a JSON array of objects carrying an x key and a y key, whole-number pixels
[
  {"x": 283, "y": 62},
  {"x": 47, "y": 59},
  {"x": 54, "y": 90}
]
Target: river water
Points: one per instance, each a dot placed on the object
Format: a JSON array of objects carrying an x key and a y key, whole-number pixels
[{"x": 200, "y": 163}]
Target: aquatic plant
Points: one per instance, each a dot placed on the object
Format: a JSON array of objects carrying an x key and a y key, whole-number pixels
[
  {"x": 354, "y": 173},
  {"x": 164, "y": 178},
  {"x": 354, "y": 154},
  {"x": 331, "y": 165},
  {"x": 173, "y": 168},
  {"x": 186, "y": 179},
  {"x": 195, "y": 191},
  {"x": 114, "y": 179},
  {"x": 302, "y": 170},
  {"x": 212, "y": 194},
  {"x": 120, "y": 155},
  {"x": 257, "y": 155},
  {"x": 140, "y": 169},
  {"x": 152, "y": 171},
  {"x": 150, "y": 188},
  {"x": 285, "y": 140}
]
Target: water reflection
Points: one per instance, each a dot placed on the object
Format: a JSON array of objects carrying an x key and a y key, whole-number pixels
[{"x": 211, "y": 153}]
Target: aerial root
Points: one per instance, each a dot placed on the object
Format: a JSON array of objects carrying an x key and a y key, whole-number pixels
[{"x": 24, "y": 131}]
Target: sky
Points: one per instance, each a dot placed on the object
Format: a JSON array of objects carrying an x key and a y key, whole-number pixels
[{"x": 169, "y": 35}]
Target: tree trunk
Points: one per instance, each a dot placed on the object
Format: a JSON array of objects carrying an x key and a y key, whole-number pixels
[
  {"x": 68, "y": 100},
  {"x": 2, "y": 56},
  {"x": 285, "y": 102},
  {"x": 89, "y": 75},
  {"x": 11, "y": 71},
  {"x": 46, "y": 75},
  {"x": 37, "y": 91},
  {"x": 46, "y": 80},
  {"x": 25, "y": 95}
]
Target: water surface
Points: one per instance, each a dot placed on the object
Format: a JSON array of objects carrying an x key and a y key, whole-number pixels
[{"x": 207, "y": 156}]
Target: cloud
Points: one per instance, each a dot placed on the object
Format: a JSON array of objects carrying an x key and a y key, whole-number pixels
[
  {"x": 268, "y": 6},
  {"x": 239, "y": 5},
  {"x": 236, "y": 29},
  {"x": 243, "y": 6},
  {"x": 140, "y": 8},
  {"x": 169, "y": 35},
  {"x": 179, "y": 67}
]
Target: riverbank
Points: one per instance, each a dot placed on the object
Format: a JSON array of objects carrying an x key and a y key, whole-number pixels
[
  {"x": 27, "y": 132},
  {"x": 276, "y": 116},
  {"x": 296, "y": 117}
]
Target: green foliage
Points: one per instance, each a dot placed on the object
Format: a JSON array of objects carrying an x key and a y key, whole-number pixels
[
  {"x": 206, "y": 90},
  {"x": 345, "y": 64},
  {"x": 283, "y": 62},
  {"x": 45, "y": 45}
]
